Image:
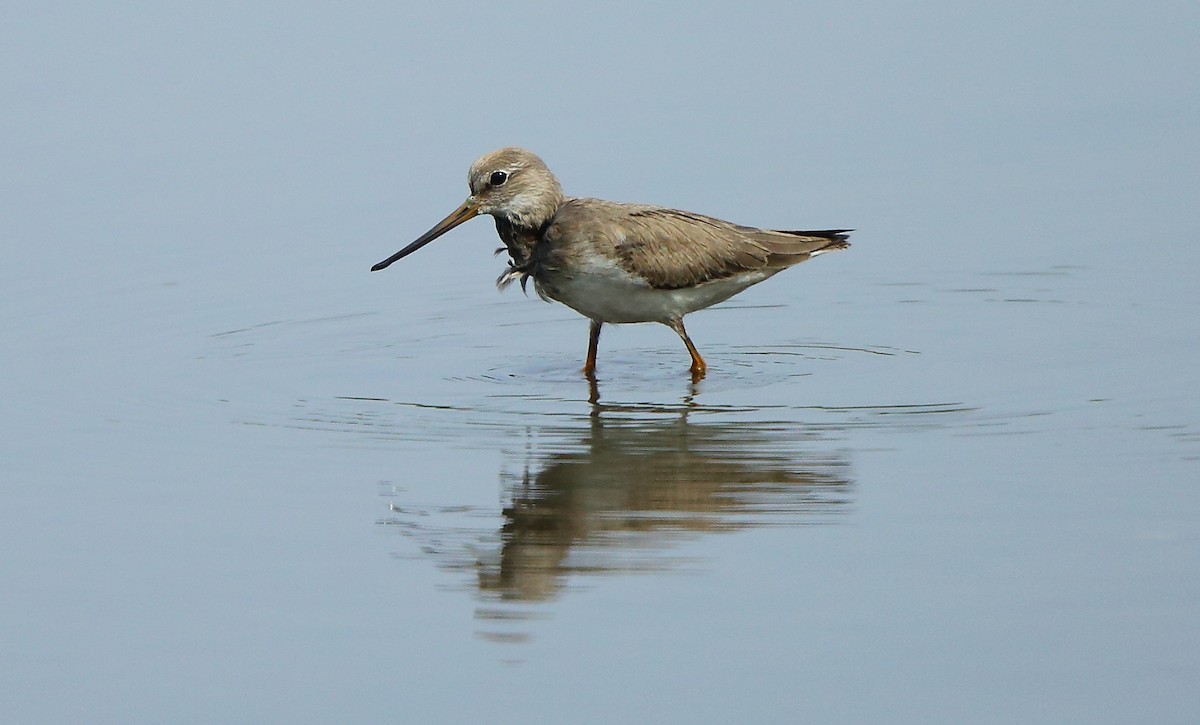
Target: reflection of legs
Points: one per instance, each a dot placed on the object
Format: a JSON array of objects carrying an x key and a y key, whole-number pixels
[
  {"x": 593, "y": 392},
  {"x": 698, "y": 367},
  {"x": 589, "y": 366}
]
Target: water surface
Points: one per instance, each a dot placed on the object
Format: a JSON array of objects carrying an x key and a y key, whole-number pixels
[{"x": 948, "y": 475}]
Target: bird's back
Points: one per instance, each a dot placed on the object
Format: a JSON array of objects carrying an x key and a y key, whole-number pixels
[{"x": 670, "y": 248}]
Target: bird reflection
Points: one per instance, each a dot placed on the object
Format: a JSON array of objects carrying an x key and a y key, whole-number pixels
[
  {"x": 621, "y": 490},
  {"x": 628, "y": 490}
]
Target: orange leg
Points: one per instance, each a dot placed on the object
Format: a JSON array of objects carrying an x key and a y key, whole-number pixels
[
  {"x": 589, "y": 366},
  {"x": 698, "y": 365}
]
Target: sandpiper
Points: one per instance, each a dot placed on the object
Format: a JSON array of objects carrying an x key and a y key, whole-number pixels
[{"x": 613, "y": 262}]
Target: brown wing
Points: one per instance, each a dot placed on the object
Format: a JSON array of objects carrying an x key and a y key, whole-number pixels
[{"x": 670, "y": 248}]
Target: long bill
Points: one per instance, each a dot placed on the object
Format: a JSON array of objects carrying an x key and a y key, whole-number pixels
[{"x": 467, "y": 211}]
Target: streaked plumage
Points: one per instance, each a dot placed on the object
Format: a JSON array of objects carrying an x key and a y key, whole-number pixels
[{"x": 615, "y": 262}]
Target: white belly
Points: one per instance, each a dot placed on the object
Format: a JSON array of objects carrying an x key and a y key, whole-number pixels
[{"x": 609, "y": 294}]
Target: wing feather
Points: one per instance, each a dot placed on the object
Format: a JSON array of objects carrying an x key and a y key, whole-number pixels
[{"x": 670, "y": 248}]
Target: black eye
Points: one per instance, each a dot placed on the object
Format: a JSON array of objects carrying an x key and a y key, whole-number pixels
[{"x": 498, "y": 178}]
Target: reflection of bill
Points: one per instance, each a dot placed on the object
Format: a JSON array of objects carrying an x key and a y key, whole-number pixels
[{"x": 614, "y": 496}]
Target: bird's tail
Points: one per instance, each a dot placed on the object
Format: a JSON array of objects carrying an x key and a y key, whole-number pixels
[{"x": 836, "y": 239}]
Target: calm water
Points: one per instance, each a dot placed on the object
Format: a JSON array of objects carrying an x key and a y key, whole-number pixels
[{"x": 949, "y": 475}]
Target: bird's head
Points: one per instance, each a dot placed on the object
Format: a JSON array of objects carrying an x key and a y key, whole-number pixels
[{"x": 509, "y": 183}]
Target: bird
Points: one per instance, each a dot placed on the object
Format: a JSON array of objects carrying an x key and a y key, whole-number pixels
[{"x": 618, "y": 262}]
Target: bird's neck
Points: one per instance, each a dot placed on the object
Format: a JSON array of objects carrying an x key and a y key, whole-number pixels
[{"x": 519, "y": 239}]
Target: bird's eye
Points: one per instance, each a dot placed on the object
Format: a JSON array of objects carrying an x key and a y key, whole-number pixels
[{"x": 498, "y": 178}]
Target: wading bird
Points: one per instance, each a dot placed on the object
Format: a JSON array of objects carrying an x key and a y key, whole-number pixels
[{"x": 614, "y": 262}]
